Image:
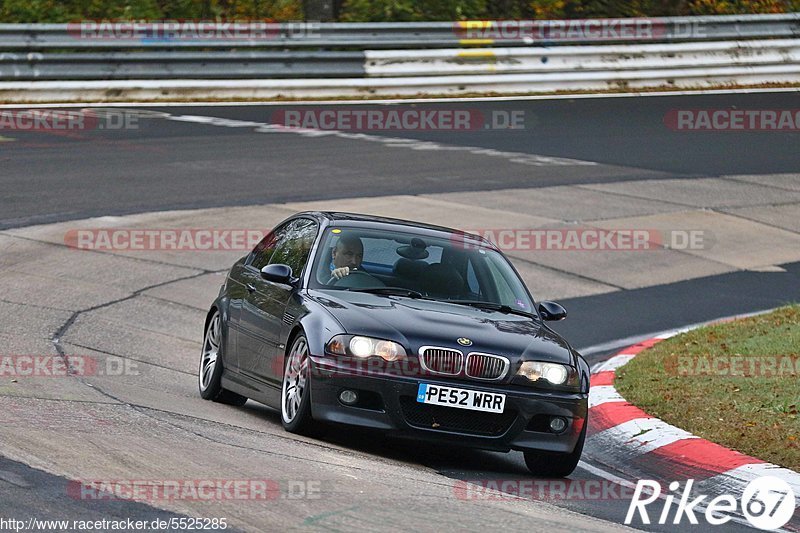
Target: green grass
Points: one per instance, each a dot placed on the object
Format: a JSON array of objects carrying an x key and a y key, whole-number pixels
[{"x": 754, "y": 414}]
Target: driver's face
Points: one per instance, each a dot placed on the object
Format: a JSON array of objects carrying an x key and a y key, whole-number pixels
[{"x": 347, "y": 255}]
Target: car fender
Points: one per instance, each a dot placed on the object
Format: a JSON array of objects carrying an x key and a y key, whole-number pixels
[
  {"x": 584, "y": 372},
  {"x": 317, "y": 322}
]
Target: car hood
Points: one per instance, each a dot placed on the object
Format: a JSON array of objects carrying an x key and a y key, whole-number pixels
[{"x": 415, "y": 323}]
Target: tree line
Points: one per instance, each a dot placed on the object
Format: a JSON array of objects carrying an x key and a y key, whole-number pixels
[{"x": 373, "y": 10}]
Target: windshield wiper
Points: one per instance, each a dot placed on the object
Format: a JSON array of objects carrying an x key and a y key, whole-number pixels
[
  {"x": 502, "y": 308},
  {"x": 390, "y": 291}
]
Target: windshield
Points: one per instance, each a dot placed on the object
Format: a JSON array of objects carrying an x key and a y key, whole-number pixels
[{"x": 442, "y": 268}]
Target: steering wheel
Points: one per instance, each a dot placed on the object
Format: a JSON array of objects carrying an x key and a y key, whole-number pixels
[{"x": 335, "y": 281}]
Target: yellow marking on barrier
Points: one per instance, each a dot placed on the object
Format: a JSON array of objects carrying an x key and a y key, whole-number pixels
[
  {"x": 466, "y": 42},
  {"x": 474, "y": 24},
  {"x": 6, "y": 139},
  {"x": 477, "y": 53}
]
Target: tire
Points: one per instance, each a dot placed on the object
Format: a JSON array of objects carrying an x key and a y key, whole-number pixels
[
  {"x": 296, "y": 391},
  {"x": 209, "y": 375},
  {"x": 555, "y": 465}
]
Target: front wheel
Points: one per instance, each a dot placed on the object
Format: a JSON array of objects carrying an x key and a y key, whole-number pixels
[
  {"x": 296, "y": 390},
  {"x": 210, "y": 372},
  {"x": 552, "y": 464}
]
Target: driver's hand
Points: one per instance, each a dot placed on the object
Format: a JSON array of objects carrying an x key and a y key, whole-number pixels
[{"x": 340, "y": 272}]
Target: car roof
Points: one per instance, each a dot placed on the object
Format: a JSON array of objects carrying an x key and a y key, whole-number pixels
[{"x": 337, "y": 218}]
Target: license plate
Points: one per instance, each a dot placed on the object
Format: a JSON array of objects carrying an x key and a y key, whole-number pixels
[{"x": 488, "y": 402}]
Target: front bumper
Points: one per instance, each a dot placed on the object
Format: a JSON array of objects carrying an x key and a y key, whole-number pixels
[{"x": 393, "y": 409}]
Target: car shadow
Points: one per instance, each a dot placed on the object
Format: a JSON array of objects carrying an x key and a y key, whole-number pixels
[
  {"x": 474, "y": 474},
  {"x": 452, "y": 461}
]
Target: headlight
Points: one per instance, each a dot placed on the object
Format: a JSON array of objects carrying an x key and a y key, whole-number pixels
[
  {"x": 552, "y": 372},
  {"x": 363, "y": 347}
]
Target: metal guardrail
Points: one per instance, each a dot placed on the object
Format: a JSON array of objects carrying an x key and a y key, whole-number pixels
[
  {"x": 255, "y": 64},
  {"x": 391, "y": 35},
  {"x": 609, "y": 59},
  {"x": 155, "y": 65},
  {"x": 48, "y": 63},
  {"x": 122, "y": 51},
  {"x": 420, "y": 86}
]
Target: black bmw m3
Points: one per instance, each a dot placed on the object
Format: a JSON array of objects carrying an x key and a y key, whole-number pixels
[{"x": 418, "y": 331}]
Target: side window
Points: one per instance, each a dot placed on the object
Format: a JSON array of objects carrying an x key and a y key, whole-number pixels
[
  {"x": 262, "y": 253},
  {"x": 294, "y": 244}
]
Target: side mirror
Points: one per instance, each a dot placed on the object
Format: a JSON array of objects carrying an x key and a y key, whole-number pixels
[
  {"x": 278, "y": 273},
  {"x": 552, "y": 311}
]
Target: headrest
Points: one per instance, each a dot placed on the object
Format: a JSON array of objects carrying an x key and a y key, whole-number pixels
[
  {"x": 407, "y": 268},
  {"x": 442, "y": 280}
]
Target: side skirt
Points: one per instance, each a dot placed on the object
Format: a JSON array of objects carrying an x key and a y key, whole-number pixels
[{"x": 255, "y": 390}]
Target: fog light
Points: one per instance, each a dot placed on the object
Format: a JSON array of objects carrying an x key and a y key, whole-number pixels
[
  {"x": 558, "y": 424},
  {"x": 348, "y": 397}
]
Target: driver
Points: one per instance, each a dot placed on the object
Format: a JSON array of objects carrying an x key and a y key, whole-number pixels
[{"x": 346, "y": 256}]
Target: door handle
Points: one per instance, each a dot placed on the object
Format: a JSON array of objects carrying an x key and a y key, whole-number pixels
[{"x": 251, "y": 288}]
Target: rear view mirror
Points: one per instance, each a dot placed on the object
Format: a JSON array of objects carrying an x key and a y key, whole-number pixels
[{"x": 552, "y": 311}]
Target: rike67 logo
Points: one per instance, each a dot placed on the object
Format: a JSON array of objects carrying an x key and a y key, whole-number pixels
[{"x": 767, "y": 503}]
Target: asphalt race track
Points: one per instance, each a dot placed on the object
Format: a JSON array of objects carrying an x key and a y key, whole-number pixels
[
  {"x": 195, "y": 157},
  {"x": 51, "y": 177}
]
